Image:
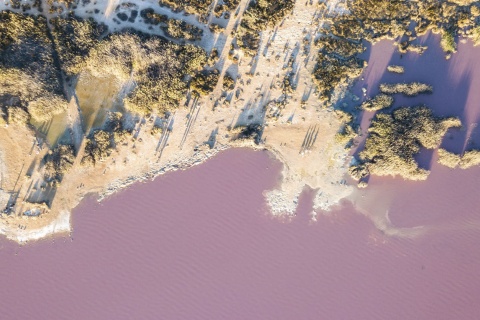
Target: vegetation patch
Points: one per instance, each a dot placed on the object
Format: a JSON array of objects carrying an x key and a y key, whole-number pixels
[
  {"x": 251, "y": 132},
  {"x": 190, "y": 6},
  {"x": 394, "y": 139},
  {"x": 228, "y": 82},
  {"x": 58, "y": 161},
  {"x": 101, "y": 143},
  {"x": 448, "y": 159},
  {"x": 396, "y": 69},
  {"x": 259, "y": 16},
  {"x": 179, "y": 29},
  {"x": 469, "y": 159},
  {"x": 204, "y": 82},
  {"x": 331, "y": 71},
  {"x": 151, "y": 17},
  {"x": 30, "y": 79},
  {"x": 379, "y": 102},
  {"x": 348, "y": 132},
  {"x": 157, "y": 67},
  {"x": 448, "y": 42},
  {"x": 409, "y": 89},
  {"x": 74, "y": 37}
]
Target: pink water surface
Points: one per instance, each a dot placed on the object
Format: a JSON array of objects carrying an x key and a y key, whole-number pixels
[{"x": 200, "y": 244}]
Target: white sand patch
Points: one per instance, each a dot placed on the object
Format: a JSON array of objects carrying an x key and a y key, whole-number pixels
[
  {"x": 282, "y": 203},
  {"x": 60, "y": 225}
]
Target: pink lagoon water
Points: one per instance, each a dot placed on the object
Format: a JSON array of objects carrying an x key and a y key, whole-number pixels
[{"x": 199, "y": 244}]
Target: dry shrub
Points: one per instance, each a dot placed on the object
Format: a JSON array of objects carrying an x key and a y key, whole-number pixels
[
  {"x": 28, "y": 73},
  {"x": 396, "y": 69},
  {"x": 379, "y": 102},
  {"x": 394, "y": 139},
  {"x": 260, "y": 15},
  {"x": 58, "y": 161},
  {"x": 228, "y": 82},
  {"x": 74, "y": 37},
  {"x": 157, "y": 67},
  {"x": 179, "y": 29},
  {"x": 190, "y": 6},
  {"x": 204, "y": 82},
  {"x": 469, "y": 159},
  {"x": 409, "y": 89},
  {"x": 448, "y": 159}
]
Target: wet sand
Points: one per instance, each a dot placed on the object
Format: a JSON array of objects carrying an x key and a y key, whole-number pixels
[{"x": 200, "y": 244}]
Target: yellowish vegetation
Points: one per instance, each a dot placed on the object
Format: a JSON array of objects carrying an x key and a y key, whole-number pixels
[
  {"x": 469, "y": 159},
  {"x": 29, "y": 78},
  {"x": 204, "y": 82},
  {"x": 157, "y": 67},
  {"x": 448, "y": 42},
  {"x": 448, "y": 159},
  {"x": 396, "y": 69},
  {"x": 408, "y": 89},
  {"x": 58, "y": 161},
  {"x": 74, "y": 37},
  {"x": 260, "y": 15},
  {"x": 179, "y": 29},
  {"x": 379, "y": 102},
  {"x": 395, "y": 138}
]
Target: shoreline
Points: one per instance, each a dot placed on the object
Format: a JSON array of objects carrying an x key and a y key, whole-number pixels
[{"x": 257, "y": 97}]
